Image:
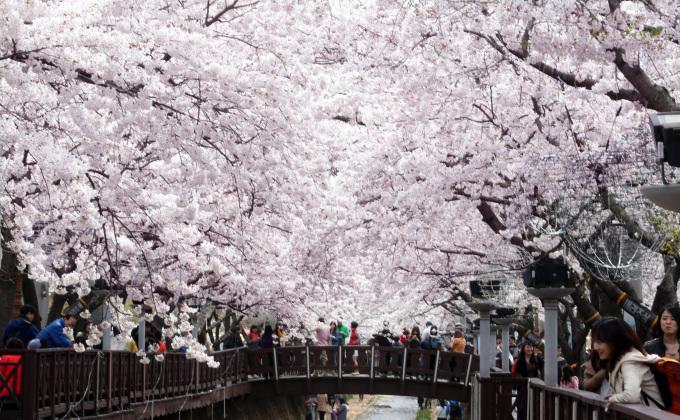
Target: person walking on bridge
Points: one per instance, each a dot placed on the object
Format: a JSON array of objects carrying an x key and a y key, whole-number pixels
[
  {"x": 343, "y": 333},
  {"x": 354, "y": 340}
]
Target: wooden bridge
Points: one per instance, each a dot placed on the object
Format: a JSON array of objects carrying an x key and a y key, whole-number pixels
[{"x": 60, "y": 383}]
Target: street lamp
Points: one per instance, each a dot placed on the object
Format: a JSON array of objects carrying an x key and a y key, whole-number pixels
[
  {"x": 666, "y": 130},
  {"x": 482, "y": 291},
  {"x": 546, "y": 279},
  {"x": 505, "y": 317}
]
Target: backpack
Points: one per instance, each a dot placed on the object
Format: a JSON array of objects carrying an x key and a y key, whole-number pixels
[{"x": 667, "y": 376}]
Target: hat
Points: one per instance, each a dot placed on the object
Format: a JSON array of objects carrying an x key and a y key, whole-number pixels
[{"x": 34, "y": 344}]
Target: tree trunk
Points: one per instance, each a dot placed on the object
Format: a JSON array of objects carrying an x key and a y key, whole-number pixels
[
  {"x": 8, "y": 265},
  {"x": 31, "y": 298},
  {"x": 667, "y": 290},
  {"x": 58, "y": 302},
  {"x": 604, "y": 304}
]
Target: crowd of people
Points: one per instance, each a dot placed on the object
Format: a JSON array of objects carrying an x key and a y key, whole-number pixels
[
  {"x": 326, "y": 407},
  {"x": 22, "y": 333},
  {"x": 619, "y": 366}
]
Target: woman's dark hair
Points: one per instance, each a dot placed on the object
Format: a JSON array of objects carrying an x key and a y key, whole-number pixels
[
  {"x": 618, "y": 335},
  {"x": 27, "y": 309},
  {"x": 333, "y": 326},
  {"x": 567, "y": 373},
  {"x": 415, "y": 332},
  {"x": 672, "y": 309},
  {"x": 458, "y": 333},
  {"x": 595, "y": 361},
  {"x": 354, "y": 324},
  {"x": 14, "y": 344},
  {"x": 268, "y": 331}
]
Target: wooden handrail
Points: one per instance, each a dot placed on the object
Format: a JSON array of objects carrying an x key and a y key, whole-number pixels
[
  {"x": 636, "y": 411},
  {"x": 58, "y": 382}
]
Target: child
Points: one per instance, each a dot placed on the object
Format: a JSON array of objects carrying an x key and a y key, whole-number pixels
[{"x": 569, "y": 378}]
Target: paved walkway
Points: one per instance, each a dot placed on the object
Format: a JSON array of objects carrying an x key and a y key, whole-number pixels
[{"x": 389, "y": 407}]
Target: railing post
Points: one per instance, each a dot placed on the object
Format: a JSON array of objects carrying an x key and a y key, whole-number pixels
[
  {"x": 371, "y": 374},
  {"x": 236, "y": 370},
  {"x": 97, "y": 385},
  {"x": 403, "y": 366},
  {"x": 469, "y": 367},
  {"x": 109, "y": 380},
  {"x": 436, "y": 367},
  {"x": 309, "y": 376},
  {"x": 29, "y": 382},
  {"x": 226, "y": 369},
  {"x": 276, "y": 365},
  {"x": 198, "y": 379},
  {"x": 276, "y": 369},
  {"x": 372, "y": 369},
  {"x": 340, "y": 362},
  {"x": 530, "y": 400}
]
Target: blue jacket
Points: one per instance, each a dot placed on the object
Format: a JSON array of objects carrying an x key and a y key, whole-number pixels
[
  {"x": 20, "y": 328},
  {"x": 431, "y": 343},
  {"x": 54, "y": 335}
]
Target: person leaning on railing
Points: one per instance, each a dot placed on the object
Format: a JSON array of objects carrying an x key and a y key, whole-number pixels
[
  {"x": 54, "y": 335},
  {"x": 630, "y": 378}
]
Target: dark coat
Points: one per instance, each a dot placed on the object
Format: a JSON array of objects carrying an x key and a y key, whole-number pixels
[
  {"x": 233, "y": 341},
  {"x": 656, "y": 346},
  {"x": 20, "y": 328}
]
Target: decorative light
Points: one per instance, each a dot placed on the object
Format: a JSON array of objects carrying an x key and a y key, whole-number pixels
[{"x": 666, "y": 131}]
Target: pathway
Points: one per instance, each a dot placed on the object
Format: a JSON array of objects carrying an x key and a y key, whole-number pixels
[{"x": 390, "y": 407}]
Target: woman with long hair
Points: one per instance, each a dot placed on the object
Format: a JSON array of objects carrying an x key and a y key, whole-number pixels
[
  {"x": 667, "y": 333},
  {"x": 528, "y": 364},
  {"x": 594, "y": 373},
  {"x": 630, "y": 378},
  {"x": 267, "y": 339}
]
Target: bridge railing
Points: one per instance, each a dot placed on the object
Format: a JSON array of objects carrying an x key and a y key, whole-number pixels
[
  {"x": 59, "y": 383},
  {"x": 420, "y": 364},
  {"x": 62, "y": 383},
  {"x": 497, "y": 396},
  {"x": 555, "y": 403}
]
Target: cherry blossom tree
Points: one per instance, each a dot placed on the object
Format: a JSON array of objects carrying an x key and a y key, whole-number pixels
[{"x": 345, "y": 160}]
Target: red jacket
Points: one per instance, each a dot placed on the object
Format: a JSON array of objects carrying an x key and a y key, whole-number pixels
[{"x": 353, "y": 338}]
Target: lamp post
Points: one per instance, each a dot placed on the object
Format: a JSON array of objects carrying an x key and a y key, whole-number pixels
[
  {"x": 484, "y": 307},
  {"x": 504, "y": 320},
  {"x": 544, "y": 280},
  {"x": 482, "y": 291},
  {"x": 666, "y": 130}
]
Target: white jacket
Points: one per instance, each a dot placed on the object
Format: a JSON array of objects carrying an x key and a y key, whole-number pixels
[{"x": 631, "y": 376}]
